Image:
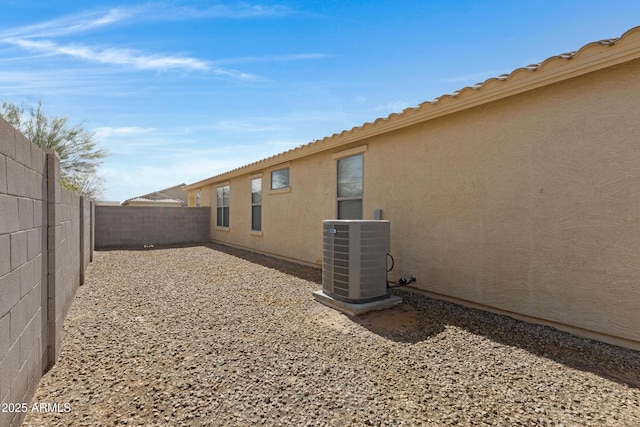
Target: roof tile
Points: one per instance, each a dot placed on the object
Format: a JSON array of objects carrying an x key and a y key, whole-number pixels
[{"x": 503, "y": 78}]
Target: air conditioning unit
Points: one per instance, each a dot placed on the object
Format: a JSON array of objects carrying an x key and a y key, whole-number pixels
[{"x": 354, "y": 259}]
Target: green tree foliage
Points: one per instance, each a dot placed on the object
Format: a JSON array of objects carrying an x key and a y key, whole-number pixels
[{"x": 79, "y": 153}]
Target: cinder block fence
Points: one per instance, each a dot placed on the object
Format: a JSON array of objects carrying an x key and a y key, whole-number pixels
[
  {"x": 47, "y": 238},
  {"x": 45, "y": 247},
  {"x": 137, "y": 226}
]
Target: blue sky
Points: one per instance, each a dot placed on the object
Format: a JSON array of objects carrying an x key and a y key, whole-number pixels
[{"x": 178, "y": 91}]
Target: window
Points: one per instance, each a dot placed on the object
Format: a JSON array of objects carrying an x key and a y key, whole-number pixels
[
  {"x": 280, "y": 179},
  {"x": 256, "y": 204},
  {"x": 350, "y": 187},
  {"x": 222, "y": 207},
  {"x": 198, "y": 199}
]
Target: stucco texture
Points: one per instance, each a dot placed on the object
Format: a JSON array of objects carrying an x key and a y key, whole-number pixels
[{"x": 526, "y": 205}]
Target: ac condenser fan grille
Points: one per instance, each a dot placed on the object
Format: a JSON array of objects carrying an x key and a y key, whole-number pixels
[{"x": 354, "y": 259}]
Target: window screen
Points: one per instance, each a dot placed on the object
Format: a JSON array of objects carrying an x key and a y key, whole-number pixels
[
  {"x": 222, "y": 206},
  {"x": 350, "y": 187},
  {"x": 256, "y": 204}
]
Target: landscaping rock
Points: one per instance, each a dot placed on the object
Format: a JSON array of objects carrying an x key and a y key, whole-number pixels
[{"x": 214, "y": 336}]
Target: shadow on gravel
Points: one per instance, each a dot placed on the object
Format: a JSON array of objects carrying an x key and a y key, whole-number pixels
[
  {"x": 287, "y": 267},
  {"x": 421, "y": 318},
  {"x": 149, "y": 247},
  {"x": 403, "y": 323},
  {"x": 432, "y": 316}
]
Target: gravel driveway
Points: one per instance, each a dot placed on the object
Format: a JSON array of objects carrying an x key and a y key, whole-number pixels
[{"x": 209, "y": 335}]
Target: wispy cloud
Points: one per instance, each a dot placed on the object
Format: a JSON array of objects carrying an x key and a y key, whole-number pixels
[
  {"x": 88, "y": 21},
  {"x": 474, "y": 77},
  {"x": 128, "y": 140},
  {"x": 93, "y": 20},
  {"x": 131, "y": 176},
  {"x": 274, "y": 58},
  {"x": 140, "y": 61},
  {"x": 125, "y": 182},
  {"x": 41, "y": 37},
  {"x": 116, "y": 56},
  {"x": 235, "y": 11},
  {"x": 246, "y": 126},
  {"x": 107, "y": 132},
  {"x": 73, "y": 24},
  {"x": 384, "y": 109}
]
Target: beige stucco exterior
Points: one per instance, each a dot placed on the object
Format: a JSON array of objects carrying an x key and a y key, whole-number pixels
[{"x": 520, "y": 196}]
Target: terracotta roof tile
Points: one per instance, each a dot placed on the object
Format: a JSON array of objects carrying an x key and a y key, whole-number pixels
[{"x": 315, "y": 145}]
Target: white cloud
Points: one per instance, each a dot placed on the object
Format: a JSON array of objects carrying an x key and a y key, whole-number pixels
[
  {"x": 389, "y": 108},
  {"x": 145, "y": 160},
  {"x": 474, "y": 77},
  {"x": 274, "y": 58},
  {"x": 131, "y": 57},
  {"x": 236, "y": 11},
  {"x": 38, "y": 37},
  {"x": 112, "y": 55},
  {"x": 27, "y": 80},
  {"x": 129, "y": 140},
  {"x": 106, "y": 132},
  {"x": 152, "y": 11},
  {"x": 124, "y": 182},
  {"x": 71, "y": 24},
  {"x": 246, "y": 126}
]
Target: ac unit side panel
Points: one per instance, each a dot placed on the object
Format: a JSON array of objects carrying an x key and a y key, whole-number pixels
[
  {"x": 354, "y": 259},
  {"x": 327, "y": 259}
]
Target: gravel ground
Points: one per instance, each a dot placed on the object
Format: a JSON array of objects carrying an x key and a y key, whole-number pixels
[{"x": 214, "y": 336}]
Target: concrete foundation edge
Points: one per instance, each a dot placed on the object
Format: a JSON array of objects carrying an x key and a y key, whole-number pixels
[{"x": 352, "y": 309}]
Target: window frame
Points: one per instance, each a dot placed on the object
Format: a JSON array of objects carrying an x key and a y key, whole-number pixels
[
  {"x": 222, "y": 221},
  {"x": 360, "y": 197},
  {"x": 288, "y": 183},
  {"x": 256, "y": 204}
]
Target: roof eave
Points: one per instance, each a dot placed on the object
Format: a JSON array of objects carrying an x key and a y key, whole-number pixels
[{"x": 591, "y": 57}]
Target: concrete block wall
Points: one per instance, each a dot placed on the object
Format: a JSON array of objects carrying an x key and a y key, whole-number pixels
[
  {"x": 136, "y": 226},
  {"x": 86, "y": 233},
  {"x": 64, "y": 248},
  {"x": 23, "y": 213},
  {"x": 39, "y": 264}
]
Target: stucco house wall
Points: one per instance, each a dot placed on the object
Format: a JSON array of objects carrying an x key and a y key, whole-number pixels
[
  {"x": 290, "y": 226},
  {"x": 519, "y": 196}
]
